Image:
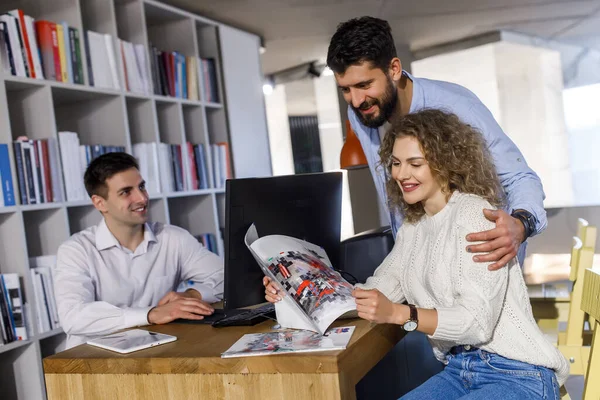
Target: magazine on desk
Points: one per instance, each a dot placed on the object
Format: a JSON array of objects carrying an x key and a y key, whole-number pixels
[
  {"x": 289, "y": 341},
  {"x": 315, "y": 294}
]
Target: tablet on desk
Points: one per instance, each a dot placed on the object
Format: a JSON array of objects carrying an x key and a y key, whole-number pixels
[{"x": 133, "y": 340}]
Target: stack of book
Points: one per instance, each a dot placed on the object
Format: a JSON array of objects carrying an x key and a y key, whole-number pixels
[
  {"x": 209, "y": 241},
  {"x": 40, "y": 49},
  {"x": 37, "y": 171},
  {"x": 221, "y": 164},
  {"x": 101, "y": 61},
  {"x": 135, "y": 68},
  {"x": 177, "y": 75},
  {"x": 75, "y": 159},
  {"x": 12, "y": 320},
  {"x": 177, "y": 176},
  {"x": 45, "y": 302}
]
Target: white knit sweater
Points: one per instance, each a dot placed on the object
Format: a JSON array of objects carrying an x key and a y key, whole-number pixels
[{"x": 430, "y": 267}]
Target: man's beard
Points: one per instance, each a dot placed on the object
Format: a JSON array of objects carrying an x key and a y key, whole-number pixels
[{"x": 386, "y": 106}]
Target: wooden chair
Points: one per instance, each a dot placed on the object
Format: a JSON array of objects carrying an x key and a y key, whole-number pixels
[
  {"x": 570, "y": 342},
  {"x": 590, "y": 303}
]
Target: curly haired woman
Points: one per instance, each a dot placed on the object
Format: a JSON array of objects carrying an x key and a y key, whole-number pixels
[{"x": 478, "y": 321}]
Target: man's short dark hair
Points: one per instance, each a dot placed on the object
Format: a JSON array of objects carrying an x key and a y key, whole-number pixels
[
  {"x": 359, "y": 40},
  {"x": 104, "y": 167}
]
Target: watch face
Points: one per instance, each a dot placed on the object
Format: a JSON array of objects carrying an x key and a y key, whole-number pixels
[{"x": 410, "y": 326}]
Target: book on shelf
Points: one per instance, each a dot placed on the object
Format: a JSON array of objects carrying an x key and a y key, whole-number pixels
[
  {"x": 208, "y": 69},
  {"x": 221, "y": 164},
  {"x": 39, "y": 49},
  {"x": 147, "y": 156},
  {"x": 177, "y": 75},
  {"x": 75, "y": 159},
  {"x": 102, "y": 62},
  {"x": 135, "y": 67},
  {"x": 36, "y": 164},
  {"x": 12, "y": 319},
  {"x": 210, "y": 241},
  {"x": 7, "y": 192},
  {"x": 289, "y": 341},
  {"x": 43, "y": 287},
  {"x": 314, "y": 294}
]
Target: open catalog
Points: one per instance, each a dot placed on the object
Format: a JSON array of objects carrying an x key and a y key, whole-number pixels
[{"x": 315, "y": 294}]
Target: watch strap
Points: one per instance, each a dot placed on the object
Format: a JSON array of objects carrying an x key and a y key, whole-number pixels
[
  {"x": 527, "y": 219},
  {"x": 414, "y": 315}
]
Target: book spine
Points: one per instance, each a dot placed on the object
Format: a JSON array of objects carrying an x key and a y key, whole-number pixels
[
  {"x": 14, "y": 44},
  {"x": 46, "y": 48},
  {"x": 24, "y": 39},
  {"x": 6, "y": 177},
  {"x": 68, "y": 52},
  {"x": 27, "y": 162},
  {"x": 6, "y": 315},
  {"x": 9, "y": 63},
  {"x": 56, "y": 51},
  {"x": 77, "y": 59},
  {"x": 47, "y": 171},
  {"x": 88, "y": 58},
  {"x": 60, "y": 36}
]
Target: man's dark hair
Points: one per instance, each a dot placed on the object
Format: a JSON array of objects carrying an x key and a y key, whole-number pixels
[
  {"x": 103, "y": 168},
  {"x": 358, "y": 40}
]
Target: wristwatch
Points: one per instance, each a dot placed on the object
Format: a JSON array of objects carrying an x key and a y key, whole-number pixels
[
  {"x": 527, "y": 219},
  {"x": 412, "y": 323}
]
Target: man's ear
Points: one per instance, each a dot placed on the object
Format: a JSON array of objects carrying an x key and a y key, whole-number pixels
[
  {"x": 99, "y": 202},
  {"x": 396, "y": 69}
]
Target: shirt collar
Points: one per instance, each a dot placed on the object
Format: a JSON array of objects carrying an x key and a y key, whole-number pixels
[
  {"x": 418, "y": 99},
  {"x": 105, "y": 239}
]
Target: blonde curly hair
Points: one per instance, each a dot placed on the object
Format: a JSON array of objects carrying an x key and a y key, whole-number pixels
[{"x": 456, "y": 153}]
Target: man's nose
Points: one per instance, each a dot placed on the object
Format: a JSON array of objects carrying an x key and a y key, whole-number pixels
[{"x": 358, "y": 98}]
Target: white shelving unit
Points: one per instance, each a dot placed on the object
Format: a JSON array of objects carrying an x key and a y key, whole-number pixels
[{"x": 42, "y": 108}]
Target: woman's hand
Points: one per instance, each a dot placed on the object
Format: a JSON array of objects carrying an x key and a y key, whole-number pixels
[
  {"x": 373, "y": 306},
  {"x": 272, "y": 293}
]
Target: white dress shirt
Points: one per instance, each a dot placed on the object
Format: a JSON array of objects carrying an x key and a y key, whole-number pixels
[{"x": 101, "y": 286}]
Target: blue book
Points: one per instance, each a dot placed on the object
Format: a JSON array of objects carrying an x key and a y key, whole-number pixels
[
  {"x": 6, "y": 177},
  {"x": 201, "y": 165},
  {"x": 177, "y": 73},
  {"x": 184, "y": 75}
]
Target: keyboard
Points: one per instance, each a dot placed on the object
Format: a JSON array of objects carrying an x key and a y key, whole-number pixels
[
  {"x": 235, "y": 317},
  {"x": 251, "y": 316}
]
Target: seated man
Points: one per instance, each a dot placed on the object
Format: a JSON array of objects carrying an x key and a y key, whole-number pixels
[{"x": 123, "y": 272}]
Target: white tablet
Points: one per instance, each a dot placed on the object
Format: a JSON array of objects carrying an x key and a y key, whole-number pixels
[{"x": 133, "y": 340}]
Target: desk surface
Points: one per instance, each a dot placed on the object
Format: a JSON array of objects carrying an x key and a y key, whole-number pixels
[{"x": 198, "y": 349}]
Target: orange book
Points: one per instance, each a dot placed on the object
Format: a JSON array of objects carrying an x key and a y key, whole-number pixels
[{"x": 225, "y": 145}]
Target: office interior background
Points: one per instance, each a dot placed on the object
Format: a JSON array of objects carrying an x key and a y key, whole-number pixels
[{"x": 277, "y": 107}]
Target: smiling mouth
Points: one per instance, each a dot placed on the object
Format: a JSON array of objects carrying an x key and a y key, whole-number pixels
[
  {"x": 368, "y": 110},
  {"x": 140, "y": 209},
  {"x": 409, "y": 187}
]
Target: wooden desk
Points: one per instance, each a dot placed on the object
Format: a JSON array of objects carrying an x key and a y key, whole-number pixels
[{"x": 191, "y": 367}]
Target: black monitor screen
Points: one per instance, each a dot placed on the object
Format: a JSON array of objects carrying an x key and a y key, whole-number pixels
[{"x": 307, "y": 207}]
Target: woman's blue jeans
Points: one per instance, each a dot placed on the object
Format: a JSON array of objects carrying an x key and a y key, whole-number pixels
[{"x": 477, "y": 374}]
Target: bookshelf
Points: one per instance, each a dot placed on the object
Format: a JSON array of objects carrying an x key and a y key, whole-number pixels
[{"x": 40, "y": 109}]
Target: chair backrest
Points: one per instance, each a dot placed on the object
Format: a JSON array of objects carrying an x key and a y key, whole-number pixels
[
  {"x": 582, "y": 257},
  {"x": 590, "y": 303}
]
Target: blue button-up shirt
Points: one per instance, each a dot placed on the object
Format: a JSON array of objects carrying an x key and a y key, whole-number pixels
[{"x": 522, "y": 186}]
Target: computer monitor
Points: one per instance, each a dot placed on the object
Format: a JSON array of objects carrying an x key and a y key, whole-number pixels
[{"x": 307, "y": 207}]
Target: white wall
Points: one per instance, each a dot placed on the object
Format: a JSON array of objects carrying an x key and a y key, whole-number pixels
[
  {"x": 522, "y": 87},
  {"x": 280, "y": 143}
]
